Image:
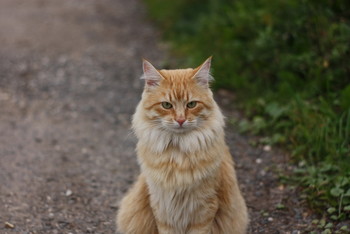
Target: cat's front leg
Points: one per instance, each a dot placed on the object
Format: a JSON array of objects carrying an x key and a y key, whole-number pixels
[
  {"x": 135, "y": 215},
  {"x": 232, "y": 215}
]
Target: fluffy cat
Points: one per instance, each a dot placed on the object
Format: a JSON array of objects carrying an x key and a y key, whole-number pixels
[{"x": 187, "y": 183}]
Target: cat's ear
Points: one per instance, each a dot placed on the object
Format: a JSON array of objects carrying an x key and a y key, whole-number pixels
[
  {"x": 150, "y": 74},
  {"x": 202, "y": 74}
]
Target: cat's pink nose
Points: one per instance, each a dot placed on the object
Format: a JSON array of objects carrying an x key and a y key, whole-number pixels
[{"x": 180, "y": 121}]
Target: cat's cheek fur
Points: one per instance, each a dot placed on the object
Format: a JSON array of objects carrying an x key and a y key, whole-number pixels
[
  {"x": 158, "y": 139},
  {"x": 152, "y": 115}
]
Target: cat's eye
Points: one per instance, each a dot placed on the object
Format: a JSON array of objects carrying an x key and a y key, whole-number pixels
[
  {"x": 191, "y": 104},
  {"x": 166, "y": 105}
]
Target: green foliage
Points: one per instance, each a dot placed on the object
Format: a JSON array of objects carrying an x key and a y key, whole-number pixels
[
  {"x": 322, "y": 183},
  {"x": 289, "y": 64}
]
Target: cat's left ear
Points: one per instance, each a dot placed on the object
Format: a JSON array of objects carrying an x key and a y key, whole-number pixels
[
  {"x": 202, "y": 74},
  {"x": 150, "y": 74}
]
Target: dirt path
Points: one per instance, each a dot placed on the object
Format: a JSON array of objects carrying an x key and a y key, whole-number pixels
[{"x": 68, "y": 87}]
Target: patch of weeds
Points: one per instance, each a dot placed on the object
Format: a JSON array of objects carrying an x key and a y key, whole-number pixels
[
  {"x": 327, "y": 188},
  {"x": 324, "y": 226}
]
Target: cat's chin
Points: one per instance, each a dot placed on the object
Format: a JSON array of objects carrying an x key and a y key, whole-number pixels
[{"x": 180, "y": 130}]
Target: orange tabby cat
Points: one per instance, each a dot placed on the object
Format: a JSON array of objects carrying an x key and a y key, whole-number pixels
[{"x": 187, "y": 183}]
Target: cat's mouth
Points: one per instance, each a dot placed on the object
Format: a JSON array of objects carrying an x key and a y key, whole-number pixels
[{"x": 174, "y": 127}]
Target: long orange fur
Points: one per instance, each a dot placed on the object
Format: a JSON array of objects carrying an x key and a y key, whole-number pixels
[{"x": 187, "y": 183}]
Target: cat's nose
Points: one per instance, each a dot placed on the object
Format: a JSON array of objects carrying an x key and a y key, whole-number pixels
[{"x": 180, "y": 121}]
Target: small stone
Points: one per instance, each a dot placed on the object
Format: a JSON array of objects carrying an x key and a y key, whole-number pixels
[
  {"x": 9, "y": 225},
  {"x": 258, "y": 160},
  {"x": 270, "y": 219},
  {"x": 84, "y": 151},
  {"x": 69, "y": 192},
  {"x": 267, "y": 148}
]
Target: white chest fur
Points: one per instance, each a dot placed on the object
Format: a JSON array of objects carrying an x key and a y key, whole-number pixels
[{"x": 178, "y": 207}]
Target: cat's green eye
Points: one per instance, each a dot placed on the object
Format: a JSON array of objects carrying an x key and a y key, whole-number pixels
[
  {"x": 166, "y": 105},
  {"x": 191, "y": 104}
]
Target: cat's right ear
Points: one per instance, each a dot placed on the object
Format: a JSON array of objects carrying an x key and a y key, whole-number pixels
[
  {"x": 150, "y": 74},
  {"x": 202, "y": 75}
]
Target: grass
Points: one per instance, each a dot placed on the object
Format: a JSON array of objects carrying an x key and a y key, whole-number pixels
[{"x": 288, "y": 63}]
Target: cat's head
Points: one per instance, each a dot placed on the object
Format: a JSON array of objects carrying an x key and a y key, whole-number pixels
[{"x": 177, "y": 101}]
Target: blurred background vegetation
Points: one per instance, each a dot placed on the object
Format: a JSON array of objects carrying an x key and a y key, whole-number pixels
[{"x": 288, "y": 62}]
